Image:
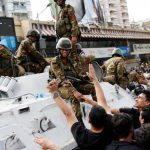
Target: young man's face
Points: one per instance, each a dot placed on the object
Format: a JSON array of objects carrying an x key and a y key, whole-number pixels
[
  {"x": 64, "y": 52},
  {"x": 33, "y": 38},
  {"x": 141, "y": 101}
]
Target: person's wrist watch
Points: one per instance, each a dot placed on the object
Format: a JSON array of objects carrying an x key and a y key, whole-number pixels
[{"x": 56, "y": 94}]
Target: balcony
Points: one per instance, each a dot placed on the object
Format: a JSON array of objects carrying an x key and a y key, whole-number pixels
[
  {"x": 112, "y": 8},
  {"x": 125, "y": 15},
  {"x": 123, "y": 4},
  {"x": 113, "y": 14}
]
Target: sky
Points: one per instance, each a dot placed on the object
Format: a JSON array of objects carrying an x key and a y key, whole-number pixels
[
  {"x": 138, "y": 9},
  {"x": 39, "y": 6}
]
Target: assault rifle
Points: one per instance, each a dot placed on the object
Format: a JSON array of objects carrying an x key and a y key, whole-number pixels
[
  {"x": 78, "y": 83},
  {"x": 79, "y": 80}
]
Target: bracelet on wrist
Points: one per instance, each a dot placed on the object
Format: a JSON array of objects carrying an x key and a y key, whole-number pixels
[{"x": 56, "y": 94}]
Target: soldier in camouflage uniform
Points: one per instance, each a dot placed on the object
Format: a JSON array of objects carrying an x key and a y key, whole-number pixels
[
  {"x": 82, "y": 60},
  {"x": 28, "y": 56},
  {"x": 115, "y": 69},
  {"x": 67, "y": 25},
  {"x": 63, "y": 68},
  {"x": 8, "y": 66}
]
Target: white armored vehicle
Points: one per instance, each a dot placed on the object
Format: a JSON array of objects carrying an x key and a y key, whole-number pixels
[{"x": 27, "y": 110}]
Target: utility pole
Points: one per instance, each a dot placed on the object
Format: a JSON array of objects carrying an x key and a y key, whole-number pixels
[
  {"x": 3, "y": 8},
  {"x": 42, "y": 42}
]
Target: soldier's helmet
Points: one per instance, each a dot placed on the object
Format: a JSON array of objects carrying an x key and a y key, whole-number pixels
[
  {"x": 64, "y": 43},
  {"x": 79, "y": 48},
  {"x": 117, "y": 52},
  {"x": 34, "y": 33}
]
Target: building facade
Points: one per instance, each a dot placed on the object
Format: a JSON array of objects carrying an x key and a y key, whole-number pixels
[
  {"x": 115, "y": 12},
  {"x": 20, "y": 9}
]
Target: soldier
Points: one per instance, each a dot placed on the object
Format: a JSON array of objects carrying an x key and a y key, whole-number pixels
[
  {"x": 82, "y": 60},
  {"x": 8, "y": 66},
  {"x": 67, "y": 25},
  {"x": 28, "y": 56},
  {"x": 66, "y": 72},
  {"x": 115, "y": 69}
]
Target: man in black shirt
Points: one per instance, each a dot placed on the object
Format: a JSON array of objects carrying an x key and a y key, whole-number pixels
[
  {"x": 142, "y": 100},
  {"x": 123, "y": 130},
  {"x": 100, "y": 133}
]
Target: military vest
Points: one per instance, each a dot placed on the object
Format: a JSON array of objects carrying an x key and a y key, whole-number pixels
[
  {"x": 63, "y": 24},
  {"x": 68, "y": 69}
]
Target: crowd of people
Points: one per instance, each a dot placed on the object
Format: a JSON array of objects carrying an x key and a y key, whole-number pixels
[{"x": 124, "y": 128}]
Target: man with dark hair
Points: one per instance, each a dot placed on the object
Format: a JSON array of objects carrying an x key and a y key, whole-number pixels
[
  {"x": 143, "y": 138},
  {"x": 123, "y": 129},
  {"x": 97, "y": 116},
  {"x": 100, "y": 133},
  {"x": 144, "y": 119},
  {"x": 142, "y": 100}
]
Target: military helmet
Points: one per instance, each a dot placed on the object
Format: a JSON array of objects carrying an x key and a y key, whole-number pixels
[
  {"x": 78, "y": 46},
  {"x": 34, "y": 33},
  {"x": 117, "y": 51},
  {"x": 64, "y": 43}
]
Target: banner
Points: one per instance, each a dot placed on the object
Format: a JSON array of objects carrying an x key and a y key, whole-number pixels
[
  {"x": 141, "y": 49},
  {"x": 104, "y": 52},
  {"x": 99, "y": 52}
]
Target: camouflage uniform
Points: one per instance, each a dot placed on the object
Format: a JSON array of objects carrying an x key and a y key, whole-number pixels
[
  {"x": 67, "y": 25},
  {"x": 83, "y": 63},
  {"x": 8, "y": 65},
  {"x": 66, "y": 87},
  {"x": 30, "y": 58},
  {"x": 115, "y": 71},
  {"x": 133, "y": 76}
]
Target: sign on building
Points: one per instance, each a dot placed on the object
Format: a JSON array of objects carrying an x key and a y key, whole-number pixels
[
  {"x": 141, "y": 49},
  {"x": 7, "y": 33}
]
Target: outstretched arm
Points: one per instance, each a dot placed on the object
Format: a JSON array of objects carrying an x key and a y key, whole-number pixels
[
  {"x": 70, "y": 116},
  {"x": 99, "y": 91}
]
